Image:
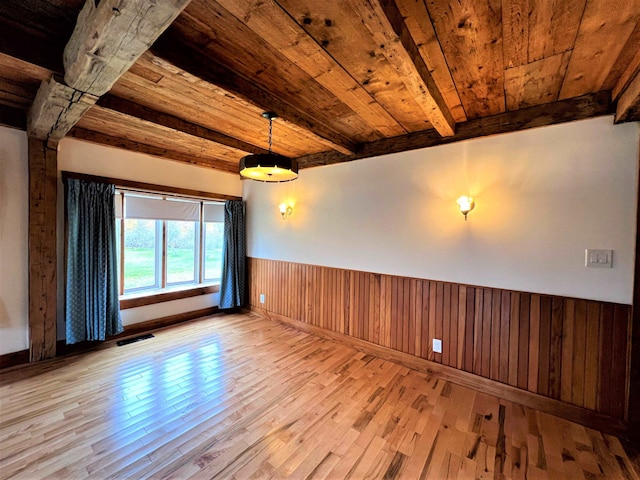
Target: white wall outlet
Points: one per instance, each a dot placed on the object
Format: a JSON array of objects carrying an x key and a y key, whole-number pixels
[
  {"x": 437, "y": 345},
  {"x": 598, "y": 258},
  {"x": 262, "y": 298}
]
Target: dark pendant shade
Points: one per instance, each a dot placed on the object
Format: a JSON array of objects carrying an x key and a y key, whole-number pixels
[{"x": 269, "y": 167}]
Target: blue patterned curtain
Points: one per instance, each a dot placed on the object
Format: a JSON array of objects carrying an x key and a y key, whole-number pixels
[
  {"x": 233, "y": 285},
  {"x": 92, "y": 307}
]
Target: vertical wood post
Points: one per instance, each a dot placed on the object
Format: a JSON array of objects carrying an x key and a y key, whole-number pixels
[
  {"x": 42, "y": 249},
  {"x": 633, "y": 398}
]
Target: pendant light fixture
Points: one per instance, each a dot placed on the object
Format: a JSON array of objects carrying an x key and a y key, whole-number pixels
[{"x": 269, "y": 167}]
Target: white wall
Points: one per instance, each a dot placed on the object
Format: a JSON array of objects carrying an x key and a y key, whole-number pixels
[
  {"x": 542, "y": 197},
  {"x": 14, "y": 210},
  {"x": 84, "y": 157}
]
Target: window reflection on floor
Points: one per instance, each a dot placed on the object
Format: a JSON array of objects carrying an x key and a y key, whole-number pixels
[{"x": 149, "y": 387}]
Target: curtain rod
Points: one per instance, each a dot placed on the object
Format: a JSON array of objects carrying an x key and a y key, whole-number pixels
[
  {"x": 148, "y": 187},
  {"x": 157, "y": 193}
]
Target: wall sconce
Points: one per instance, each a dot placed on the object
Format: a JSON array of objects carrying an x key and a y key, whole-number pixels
[
  {"x": 466, "y": 204},
  {"x": 285, "y": 210}
]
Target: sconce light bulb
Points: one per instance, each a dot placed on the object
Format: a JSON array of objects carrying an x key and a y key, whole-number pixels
[
  {"x": 466, "y": 204},
  {"x": 285, "y": 210}
]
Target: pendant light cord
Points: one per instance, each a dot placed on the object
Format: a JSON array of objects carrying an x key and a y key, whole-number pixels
[{"x": 270, "y": 132}]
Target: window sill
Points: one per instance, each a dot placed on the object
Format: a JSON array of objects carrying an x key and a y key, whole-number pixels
[{"x": 141, "y": 300}]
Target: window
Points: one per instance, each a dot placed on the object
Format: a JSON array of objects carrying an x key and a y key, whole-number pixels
[
  {"x": 213, "y": 234},
  {"x": 182, "y": 238},
  {"x": 142, "y": 254},
  {"x": 167, "y": 242}
]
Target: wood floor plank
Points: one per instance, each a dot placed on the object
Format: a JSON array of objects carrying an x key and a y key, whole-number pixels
[{"x": 239, "y": 396}]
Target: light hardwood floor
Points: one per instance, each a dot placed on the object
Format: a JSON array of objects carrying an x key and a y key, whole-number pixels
[{"x": 242, "y": 397}]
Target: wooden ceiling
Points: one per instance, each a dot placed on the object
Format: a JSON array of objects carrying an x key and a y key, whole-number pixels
[{"x": 349, "y": 78}]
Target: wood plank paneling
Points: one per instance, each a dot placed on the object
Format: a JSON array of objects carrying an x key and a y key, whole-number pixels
[
  {"x": 523, "y": 355},
  {"x": 570, "y": 350},
  {"x": 579, "y": 353}
]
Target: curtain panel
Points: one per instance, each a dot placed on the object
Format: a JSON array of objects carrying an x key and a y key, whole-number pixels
[
  {"x": 92, "y": 306},
  {"x": 233, "y": 284}
]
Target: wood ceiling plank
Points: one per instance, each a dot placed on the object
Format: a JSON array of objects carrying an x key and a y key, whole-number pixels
[
  {"x": 13, "y": 117},
  {"x": 383, "y": 19},
  {"x": 419, "y": 24},
  {"x": 598, "y": 44},
  {"x": 108, "y": 38},
  {"x": 553, "y": 26},
  {"x": 586, "y": 106},
  {"x": 470, "y": 32},
  {"x": 276, "y": 27},
  {"x": 103, "y": 139},
  {"x": 535, "y": 83},
  {"x": 331, "y": 25},
  {"x": 51, "y": 19},
  {"x": 55, "y": 110},
  {"x": 515, "y": 32},
  {"x": 113, "y": 123},
  {"x": 32, "y": 48},
  {"x": 174, "y": 123},
  {"x": 203, "y": 103},
  {"x": 184, "y": 58},
  {"x": 221, "y": 38}
]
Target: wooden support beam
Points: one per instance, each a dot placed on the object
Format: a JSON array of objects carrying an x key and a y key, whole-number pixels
[
  {"x": 43, "y": 184},
  {"x": 169, "y": 121},
  {"x": 56, "y": 109},
  {"x": 633, "y": 399},
  {"x": 587, "y": 106},
  {"x": 13, "y": 117},
  {"x": 384, "y": 18},
  {"x": 185, "y": 58},
  {"x": 110, "y": 36},
  {"x": 102, "y": 139},
  {"x": 627, "y": 89},
  {"x": 628, "y": 108}
]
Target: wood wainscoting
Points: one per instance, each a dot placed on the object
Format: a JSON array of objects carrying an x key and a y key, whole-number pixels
[{"x": 571, "y": 350}]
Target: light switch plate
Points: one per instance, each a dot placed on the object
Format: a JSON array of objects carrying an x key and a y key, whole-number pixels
[
  {"x": 437, "y": 345},
  {"x": 598, "y": 258}
]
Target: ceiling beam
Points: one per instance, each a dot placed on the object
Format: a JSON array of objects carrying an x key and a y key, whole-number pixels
[
  {"x": 185, "y": 58},
  {"x": 141, "y": 112},
  {"x": 627, "y": 92},
  {"x": 386, "y": 24},
  {"x": 110, "y": 36},
  {"x": 276, "y": 27},
  {"x": 587, "y": 106},
  {"x": 102, "y": 139},
  {"x": 56, "y": 109},
  {"x": 628, "y": 108}
]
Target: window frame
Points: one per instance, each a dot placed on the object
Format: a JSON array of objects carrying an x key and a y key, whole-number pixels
[
  {"x": 162, "y": 284},
  {"x": 122, "y": 185}
]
